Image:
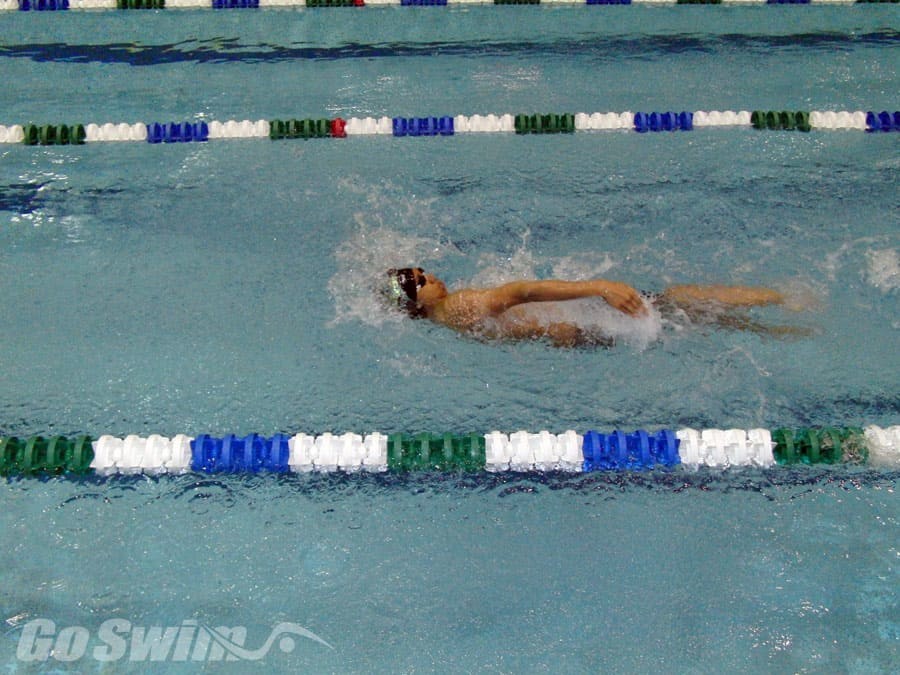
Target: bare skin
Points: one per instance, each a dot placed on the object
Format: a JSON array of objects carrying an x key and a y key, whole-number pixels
[{"x": 501, "y": 312}]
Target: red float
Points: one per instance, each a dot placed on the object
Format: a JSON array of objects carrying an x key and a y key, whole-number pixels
[{"x": 338, "y": 128}]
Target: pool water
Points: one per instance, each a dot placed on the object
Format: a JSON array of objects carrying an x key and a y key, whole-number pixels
[{"x": 230, "y": 287}]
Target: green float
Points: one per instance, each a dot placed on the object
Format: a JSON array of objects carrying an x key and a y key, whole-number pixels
[
  {"x": 820, "y": 446},
  {"x": 522, "y": 124},
  {"x": 47, "y": 135},
  {"x": 40, "y": 455},
  {"x": 51, "y": 134},
  {"x": 140, "y": 4},
  {"x": 307, "y": 128},
  {"x": 544, "y": 124},
  {"x": 276, "y": 129},
  {"x": 785, "y": 120},
  {"x": 436, "y": 452}
]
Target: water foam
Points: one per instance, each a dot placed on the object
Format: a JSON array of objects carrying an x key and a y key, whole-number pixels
[
  {"x": 391, "y": 232},
  {"x": 592, "y": 315},
  {"x": 883, "y": 269},
  {"x": 414, "y": 237}
]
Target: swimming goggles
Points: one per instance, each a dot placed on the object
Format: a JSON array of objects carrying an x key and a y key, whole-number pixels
[{"x": 404, "y": 282}]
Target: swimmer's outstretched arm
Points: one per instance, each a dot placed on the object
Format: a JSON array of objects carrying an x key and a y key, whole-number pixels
[{"x": 620, "y": 296}]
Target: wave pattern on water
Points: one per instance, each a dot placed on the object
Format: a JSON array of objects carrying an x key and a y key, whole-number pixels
[
  {"x": 203, "y": 492},
  {"x": 233, "y": 50}
]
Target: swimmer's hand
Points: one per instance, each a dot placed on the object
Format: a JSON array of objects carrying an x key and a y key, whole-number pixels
[{"x": 624, "y": 298}]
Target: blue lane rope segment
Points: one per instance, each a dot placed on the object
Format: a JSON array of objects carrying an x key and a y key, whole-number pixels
[
  {"x": 883, "y": 121},
  {"x": 422, "y": 126},
  {"x": 57, "y": 5},
  {"x": 43, "y": 5},
  {"x": 665, "y": 121},
  {"x": 231, "y": 454},
  {"x": 638, "y": 450},
  {"x": 177, "y": 132},
  {"x": 235, "y": 4}
]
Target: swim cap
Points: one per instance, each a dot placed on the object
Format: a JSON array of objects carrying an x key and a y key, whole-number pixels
[{"x": 404, "y": 291}]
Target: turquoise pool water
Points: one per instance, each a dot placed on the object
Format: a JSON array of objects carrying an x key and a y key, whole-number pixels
[{"x": 227, "y": 287}]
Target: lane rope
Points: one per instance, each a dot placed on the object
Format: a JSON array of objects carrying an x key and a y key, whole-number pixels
[
  {"x": 522, "y": 124},
  {"x": 521, "y": 451},
  {"x": 65, "y": 5}
]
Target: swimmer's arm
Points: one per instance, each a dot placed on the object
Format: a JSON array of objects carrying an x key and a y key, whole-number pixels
[{"x": 619, "y": 296}]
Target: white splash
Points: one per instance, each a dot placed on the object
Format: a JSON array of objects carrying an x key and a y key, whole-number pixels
[
  {"x": 495, "y": 269},
  {"x": 388, "y": 234},
  {"x": 884, "y": 269},
  {"x": 591, "y": 314},
  {"x": 361, "y": 262}
]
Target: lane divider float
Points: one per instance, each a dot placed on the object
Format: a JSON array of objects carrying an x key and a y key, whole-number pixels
[
  {"x": 520, "y": 451},
  {"x": 522, "y": 124},
  {"x": 65, "y": 5}
]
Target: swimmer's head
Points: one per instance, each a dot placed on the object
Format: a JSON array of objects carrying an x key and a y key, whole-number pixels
[{"x": 403, "y": 289}]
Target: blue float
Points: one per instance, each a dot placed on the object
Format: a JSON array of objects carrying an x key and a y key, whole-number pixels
[
  {"x": 641, "y": 122},
  {"x": 235, "y": 4},
  {"x": 635, "y": 451},
  {"x": 872, "y": 122},
  {"x": 204, "y": 452},
  {"x": 883, "y": 121},
  {"x": 43, "y": 5},
  {"x": 422, "y": 126},
  {"x": 249, "y": 454},
  {"x": 154, "y": 133},
  {"x": 445, "y": 126},
  {"x": 428, "y": 126},
  {"x": 177, "y": 132},
  {"x": 277, "y": 454},
  {"x": 663, "y": 121},
  {"x": 173, "y": 133}
]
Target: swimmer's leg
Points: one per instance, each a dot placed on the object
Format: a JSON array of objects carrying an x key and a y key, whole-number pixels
[
  {"x": 718, "y": 305},
  {"x": 738, "y": 322},
  {"x": 689, "y": 296}
]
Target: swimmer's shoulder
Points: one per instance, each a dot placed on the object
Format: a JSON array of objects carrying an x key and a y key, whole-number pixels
[{"x": 464, "y": 309}]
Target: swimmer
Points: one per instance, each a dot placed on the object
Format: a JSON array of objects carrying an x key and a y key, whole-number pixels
[{"x": 502, "y": 312}]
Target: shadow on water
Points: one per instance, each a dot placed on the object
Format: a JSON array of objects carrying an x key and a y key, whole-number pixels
[
  {"x": 232, "y": 50},
  {"x": 205, "y": 492}
]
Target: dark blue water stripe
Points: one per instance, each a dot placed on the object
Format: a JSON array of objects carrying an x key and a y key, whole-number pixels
[
  {"x": 21, "y": 198},
  {"x": 228, "y": 50}
]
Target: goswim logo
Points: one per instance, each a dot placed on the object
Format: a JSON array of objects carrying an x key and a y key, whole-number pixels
[{"x": 118, "y": 639}]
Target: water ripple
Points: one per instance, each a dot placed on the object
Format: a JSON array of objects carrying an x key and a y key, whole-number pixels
[{"x": 225, "y": 50}]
